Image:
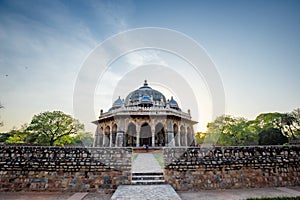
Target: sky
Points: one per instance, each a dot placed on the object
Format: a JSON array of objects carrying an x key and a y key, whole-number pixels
[{"x": 254, "y": 45}]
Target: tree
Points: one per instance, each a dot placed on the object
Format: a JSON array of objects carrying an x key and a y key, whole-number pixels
[
  {"x": 272, "y": 136},
  {"x": 296, "y": 116},
  {"x": 200, "y": 136},
  {"x": 83, "y": 139},
  {"x": 19, "y": 136},
  {"x": 53, "y": 128},
  {"x": 228, "y": 130}
]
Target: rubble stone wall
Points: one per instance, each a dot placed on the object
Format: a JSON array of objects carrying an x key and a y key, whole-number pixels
[
  {"x": 192, "y": 169},
  {"x": 28, "y": 168},
  {"x": 25, "y": 168}
]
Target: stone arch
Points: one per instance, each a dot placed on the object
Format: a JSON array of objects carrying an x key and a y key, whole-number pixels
[
  {"x": 114, "y": 134},
  {"x": 106, "y": 141},
  {"x": 145, "y": 134},
  {"x": 175, "y": 130},
  {"x": 182, "y": 136},
  {"x": 130, "y": 136},
  {"x": 189, "y": 136},
  {"x": 160, "y": 137},
  {"x": 128, "y": 122}
]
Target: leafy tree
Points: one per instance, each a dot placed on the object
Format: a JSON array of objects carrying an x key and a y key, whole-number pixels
[
  {"x": 19, "y": 136},
  {"x": 228, "y": 130},
  {"x": 296, "y": 116},
  {"x": 287, "y": 123},
  {"x": 200, "y": 136},
  {"x": 83, "y": 139},
  {"x": 4, "y": 137},
  {"x": 53, "y": 128},
  {"x": 272, "y": 136}
]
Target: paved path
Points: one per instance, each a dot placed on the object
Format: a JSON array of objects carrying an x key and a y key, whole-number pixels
[
  {"x": 238, "y": 194},
  {"x": 199, "y": 195},
  {"x": 142, "y": 192},
  {"x": 145, "y": 163}
]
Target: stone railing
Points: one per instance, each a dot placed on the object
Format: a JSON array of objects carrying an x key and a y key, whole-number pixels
[
  {"x": 145, "y": 111},
  {"x": 232, "y": 167}
]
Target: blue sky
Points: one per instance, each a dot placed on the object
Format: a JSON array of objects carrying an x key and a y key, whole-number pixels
[{"x": 255, "y": 46}]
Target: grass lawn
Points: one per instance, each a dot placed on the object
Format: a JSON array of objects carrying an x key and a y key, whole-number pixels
[
  {"x": 159, "y": 158},
  {"x": 134, "y": 156}
]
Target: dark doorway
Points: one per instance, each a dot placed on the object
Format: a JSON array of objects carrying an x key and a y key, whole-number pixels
[
  {"x": 130, "y": 137},
  {"x": 159, "y": 135},
  {"x": 146, "y": 135},
  {"x": 114, "y": 134},
  {"x": 175, "y": 129}
]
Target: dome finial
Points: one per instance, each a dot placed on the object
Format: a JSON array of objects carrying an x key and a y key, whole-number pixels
[{"x": 145, "y": 83}]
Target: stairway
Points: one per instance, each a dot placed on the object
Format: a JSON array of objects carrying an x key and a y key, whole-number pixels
[{"x": 148, "y": 178}]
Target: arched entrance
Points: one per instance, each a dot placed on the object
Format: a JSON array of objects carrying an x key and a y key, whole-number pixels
[
  {"x": 159, "y": 135},
  {"x": 175, "y": 129},
  {"x": 145, "y": 135},
  {"x": 182, "y": 136},
  {"x": 114, "y": 134},
  {"x": 106, "y": 137},
  {"x": 130, "y": 136}
]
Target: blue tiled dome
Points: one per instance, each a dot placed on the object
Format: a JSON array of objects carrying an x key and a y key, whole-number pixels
[
  {"x": 173, "y": 103},
  {"x": 118, "y": 103},
  {"x": 145, "y": 92}
]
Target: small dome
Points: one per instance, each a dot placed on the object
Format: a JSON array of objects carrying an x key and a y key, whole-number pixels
[
  {"x": 173, "y": 104},
  {"x": 118, "y": 103}
]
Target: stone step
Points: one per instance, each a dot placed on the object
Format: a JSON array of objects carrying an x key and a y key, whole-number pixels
[
  {"x": 156, "y": 177},
  {"x": 149, "y": 178},
  {"x": 147, "y": 182},
  {"x": 147, "y": 174}
]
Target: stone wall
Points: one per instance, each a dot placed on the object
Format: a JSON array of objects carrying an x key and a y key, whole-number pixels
[
  {"x": 63, "y": 169},
  {"x": 232, "y": 167},
  {"x": 90, "y": 169}
]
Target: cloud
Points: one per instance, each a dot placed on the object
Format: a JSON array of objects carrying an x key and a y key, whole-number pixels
[
  {"x": 115, "y": 14},
  {"x": 143, "y": 57}
]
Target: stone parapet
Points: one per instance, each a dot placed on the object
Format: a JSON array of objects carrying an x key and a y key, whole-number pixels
[
  {"x": 232, "y": 167},
  {"x": 37, "y": 168}
]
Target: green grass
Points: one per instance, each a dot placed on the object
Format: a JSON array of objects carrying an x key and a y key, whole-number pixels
[
  {"x": 275, "y": 198},
  {"x": 134, "y": 156},
  {"x": 159, "y": 158}
]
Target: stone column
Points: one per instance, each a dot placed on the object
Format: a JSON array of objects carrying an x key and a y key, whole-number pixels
[
  {"x": 110, "y": 137},
  {"x": 153, "y": 136},
  {"x": 179, "y": 136},
  {"x": 97, "y": 137},
  {"x": 171, "y": 139},
  {"x": 138, "y": 129},
  {"x": 120, "y": 133},
  {"x": 170, "y": 132},
  {"x": 166, "y": 137},
  {"x": 119, "y": 139},
  {"x": 104, "y": 139},
  {"x": 185, "y": 136},
  {"x": 100, "y": 141}
]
